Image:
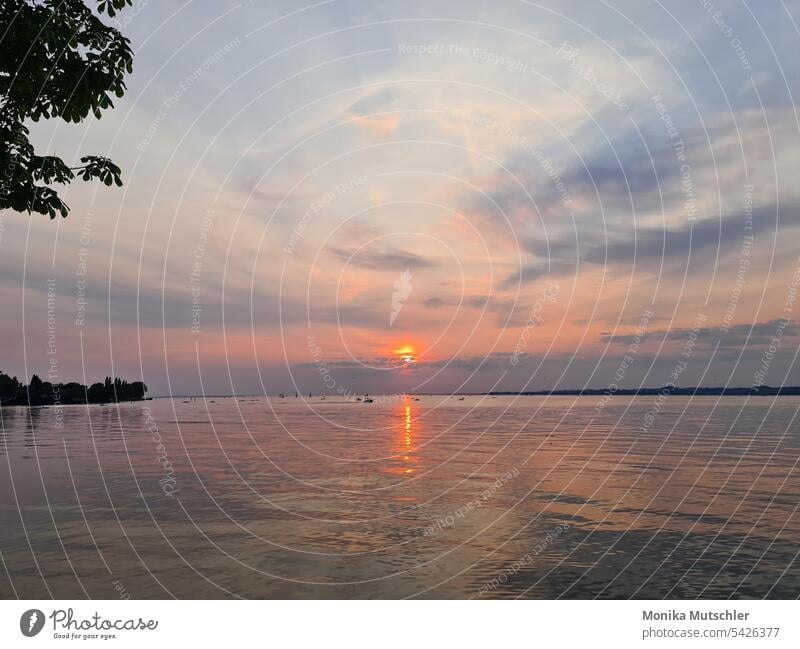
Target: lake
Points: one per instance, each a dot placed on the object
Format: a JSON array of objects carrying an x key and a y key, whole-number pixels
[{"x": 431, "y": 497}]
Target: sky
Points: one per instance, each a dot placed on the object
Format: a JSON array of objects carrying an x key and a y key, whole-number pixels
[{"x": 391, "y": 196}]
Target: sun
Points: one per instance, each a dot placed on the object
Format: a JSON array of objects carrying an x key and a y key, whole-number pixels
[{"x": 406, "y": 353}]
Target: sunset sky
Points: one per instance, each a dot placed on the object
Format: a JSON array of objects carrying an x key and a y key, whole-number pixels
[{"x": 427, "y": 196}]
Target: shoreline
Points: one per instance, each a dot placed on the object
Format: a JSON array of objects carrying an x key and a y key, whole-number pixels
[{"x": 764, "y": 391}]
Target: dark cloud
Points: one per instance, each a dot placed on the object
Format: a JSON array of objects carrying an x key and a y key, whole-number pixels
[
  {"x": 473, "y": 302},
  {"x": 759, "y": 333},
  {"x": 387, "y": 258},
  {"x": 647, "y": 249}
]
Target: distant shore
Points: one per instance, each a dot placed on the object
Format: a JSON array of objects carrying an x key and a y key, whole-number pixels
[{"x": 763, "y": 391}]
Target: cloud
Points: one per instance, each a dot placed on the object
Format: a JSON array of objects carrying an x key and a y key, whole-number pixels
[
  {"x": 379, "y": 127},
  {"x": 649, "y": 248},
  {"x": 759, "y": 333},
  {"x": 386, "y": 258},
  {"x": 471, "y": 301}
]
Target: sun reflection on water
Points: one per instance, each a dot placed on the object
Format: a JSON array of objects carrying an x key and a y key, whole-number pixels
[{"x": 408, "y": 438}]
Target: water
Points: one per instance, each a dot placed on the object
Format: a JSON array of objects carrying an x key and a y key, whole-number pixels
[{"x": 486, "y": 497}]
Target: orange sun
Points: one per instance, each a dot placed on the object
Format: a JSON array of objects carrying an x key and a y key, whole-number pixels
[{"x": 407, "y": 353}]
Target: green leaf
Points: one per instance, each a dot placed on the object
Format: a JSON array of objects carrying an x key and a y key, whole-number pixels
[{"x": 57, "y": 60}]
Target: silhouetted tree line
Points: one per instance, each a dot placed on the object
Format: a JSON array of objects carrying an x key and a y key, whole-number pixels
[{"x": 44, "y": 393}]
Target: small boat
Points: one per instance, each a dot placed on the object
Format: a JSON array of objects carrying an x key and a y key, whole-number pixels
[{"x": 368, "y": 400}]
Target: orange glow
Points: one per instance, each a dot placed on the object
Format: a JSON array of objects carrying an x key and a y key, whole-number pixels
[
  {"x": 408, "y": 426},
  {"x": 407, "y": 439},
  {"x": 407, "y": 353},
  {"x": 403, "y": 444}
]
